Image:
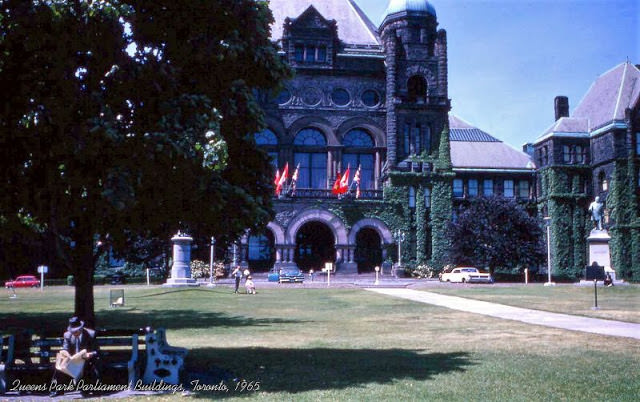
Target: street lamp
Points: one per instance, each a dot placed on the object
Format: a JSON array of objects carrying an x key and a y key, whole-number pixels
[
  {"x": 377, "y": 271},
  {"x": 212, "y": 254},
  {"x": 547, "y": 221},
  {"x": 399, "y": 236},
  {"x": 235, "y": 255}
]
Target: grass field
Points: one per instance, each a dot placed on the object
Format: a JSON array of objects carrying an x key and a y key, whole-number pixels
[
  {"x": 352, "y": 345},
  {"x": 614, "y": 303}
]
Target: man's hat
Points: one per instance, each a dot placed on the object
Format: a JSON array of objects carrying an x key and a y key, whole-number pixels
[{"x": 75, "y": 324}]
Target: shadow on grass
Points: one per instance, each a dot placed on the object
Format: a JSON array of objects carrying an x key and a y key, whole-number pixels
[
  {"x": 321, "y": 369},
  {"x": 133, "y": 319}
]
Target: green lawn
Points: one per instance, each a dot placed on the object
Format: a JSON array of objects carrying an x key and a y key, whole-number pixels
[
  {"x": 614, "y": 303},
  {"x": 353, "y": 345}
]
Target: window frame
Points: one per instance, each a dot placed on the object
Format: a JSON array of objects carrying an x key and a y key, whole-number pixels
[{"x": 511, "y": 188}]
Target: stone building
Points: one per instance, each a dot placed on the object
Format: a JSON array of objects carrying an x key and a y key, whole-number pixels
[
  {"x": 593, "y": 152},
  {"x": 373, "y": 99}
]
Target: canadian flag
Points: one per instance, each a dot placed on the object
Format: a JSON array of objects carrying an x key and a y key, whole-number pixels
[
  {"x": 336, "y": 185},
  {"x": 283, "y": 179},
  {"x": 344, "y": 182}
]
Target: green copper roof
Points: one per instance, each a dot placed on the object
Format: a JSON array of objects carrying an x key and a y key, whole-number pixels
[{"x": 410, "y": 7}]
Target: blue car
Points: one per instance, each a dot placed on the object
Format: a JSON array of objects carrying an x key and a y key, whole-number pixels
[{"x": 287, "y": 275}]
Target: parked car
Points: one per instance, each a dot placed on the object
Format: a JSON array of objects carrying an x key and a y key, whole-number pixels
[
  {"x": 466, "y": 274},
  {"x": 290, "y": 275},
  {"x": 446, "y": 270},
  {"x": 118, "y": 278},
  {"x": 23, "y": 281}
]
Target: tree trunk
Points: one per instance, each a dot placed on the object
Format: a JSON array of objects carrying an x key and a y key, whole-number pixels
[{"x": 83, "y": 268}]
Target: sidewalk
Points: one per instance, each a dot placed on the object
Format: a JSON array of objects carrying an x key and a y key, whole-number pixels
[{"x": 536, "y": 317}]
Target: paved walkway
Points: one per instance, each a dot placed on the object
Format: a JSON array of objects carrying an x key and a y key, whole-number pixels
[{"x": 564, "y": 321}]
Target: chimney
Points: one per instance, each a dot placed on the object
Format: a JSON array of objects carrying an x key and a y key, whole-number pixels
[{"x": 561, "y": 107}]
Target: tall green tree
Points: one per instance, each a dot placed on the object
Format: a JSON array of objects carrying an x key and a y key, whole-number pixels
[
  {"x": 493, "y": 233},
  {"x": 101, "y": 145}
]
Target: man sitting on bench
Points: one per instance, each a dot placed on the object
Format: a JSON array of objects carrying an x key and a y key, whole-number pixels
[{"x": 76, "y": 339}]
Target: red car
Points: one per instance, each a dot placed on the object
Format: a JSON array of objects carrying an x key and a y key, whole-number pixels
[{"x": 23, "y": 281}]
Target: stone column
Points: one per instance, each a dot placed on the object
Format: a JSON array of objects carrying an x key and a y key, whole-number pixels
[{"x": 181, "y": 268}]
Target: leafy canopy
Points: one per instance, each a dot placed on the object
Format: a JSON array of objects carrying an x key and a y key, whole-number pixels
[
  {"x": 97, "y": 143},
  {"x": 496, "y": 233}
]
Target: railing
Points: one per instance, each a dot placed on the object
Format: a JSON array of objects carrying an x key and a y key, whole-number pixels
[{"x": 321, "y": 193}]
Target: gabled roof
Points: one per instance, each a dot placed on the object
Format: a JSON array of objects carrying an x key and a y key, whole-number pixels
[
  {"x": 354, "y": 27},
  {"x": 472, "y": 148},
  {"x": 569, "y": 125},
  {"x": 609, "y": 96},
  {"x": 604, "y": 103}
]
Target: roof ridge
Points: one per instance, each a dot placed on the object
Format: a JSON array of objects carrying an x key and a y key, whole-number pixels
[
  {"x": 371, "y": 28},
  {"x": 620, "y": 88}
]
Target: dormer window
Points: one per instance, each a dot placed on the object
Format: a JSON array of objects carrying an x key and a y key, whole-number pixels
[
  {"x": 310, "y": 40},
  {"x": 305, "y": 53}
]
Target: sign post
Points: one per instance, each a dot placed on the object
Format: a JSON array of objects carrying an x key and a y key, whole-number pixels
[
  {"x": 328, "y": 267},
  {"x": 43, "y": 269},
  {"x": 594, "y": 272}
]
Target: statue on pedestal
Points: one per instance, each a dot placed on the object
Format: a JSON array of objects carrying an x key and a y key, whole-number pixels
[{"x": 596, "y": 209}]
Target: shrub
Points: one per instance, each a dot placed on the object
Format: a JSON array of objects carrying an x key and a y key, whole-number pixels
[
  {"x": 423, "y": 271},
  {"x": 200, "y": 269}
]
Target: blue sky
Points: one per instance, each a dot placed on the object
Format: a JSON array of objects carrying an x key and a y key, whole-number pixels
[{"x": 508, "y": 59}]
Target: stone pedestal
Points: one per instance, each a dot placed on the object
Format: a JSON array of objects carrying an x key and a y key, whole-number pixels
[
  {"x": 181, "y": 268},
  {"x": 598, "y": 242}
]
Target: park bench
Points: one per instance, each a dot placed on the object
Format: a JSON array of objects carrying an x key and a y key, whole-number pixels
[
  {"x": 29, "y": 357},
  {"x": 35, "y": 360}
]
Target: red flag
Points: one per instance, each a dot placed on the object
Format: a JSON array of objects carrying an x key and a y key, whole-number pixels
[
  {"x": 283, "y": 178},
  {"x": 277, "y": 180},
  {"x": 344, "y": 182},
  {"x": 336, "y": 185}
]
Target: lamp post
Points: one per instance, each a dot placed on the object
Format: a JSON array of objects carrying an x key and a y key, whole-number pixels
[
  {"x": 235, "y": 255},
  {"x": 547, "y": 221},
  {"x": 399, "y": 236},
  {"x": 377, "y": 271},
  {"x": 212, "y": 254}
]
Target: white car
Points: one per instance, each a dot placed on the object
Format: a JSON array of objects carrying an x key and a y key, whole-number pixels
[{"x": 466, "y": 274}]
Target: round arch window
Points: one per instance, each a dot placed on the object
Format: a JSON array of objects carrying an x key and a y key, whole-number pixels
[
  {"x": 311, "y": 96},
  {"x": 340, "y": 97},
  {"x": 283, "y": 97},
  {"x": 370, "y": 98}
]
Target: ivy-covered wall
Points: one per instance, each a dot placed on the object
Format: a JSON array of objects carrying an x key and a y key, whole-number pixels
[
  {"x": 563, "y": 193},
  {"x": 622, "y": 202}
]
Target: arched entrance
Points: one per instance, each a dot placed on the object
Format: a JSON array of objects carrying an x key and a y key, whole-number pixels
[
  {"x": 261, "y": 251},
  {"x": 368, "y": 253},
  {"x": 315, "y": 245}
]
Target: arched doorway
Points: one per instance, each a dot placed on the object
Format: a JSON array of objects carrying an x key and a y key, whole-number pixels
[
  {"x": 261, "y": 252},
  {"x": 368, "y": 253},
  {"x": 315, "y": 245}
]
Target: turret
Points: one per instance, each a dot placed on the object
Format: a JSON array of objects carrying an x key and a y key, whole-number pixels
[{"x": 417, "y": 97}]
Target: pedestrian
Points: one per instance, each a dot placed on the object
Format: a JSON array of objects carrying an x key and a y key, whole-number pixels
[
  {"x": 77, "y": 341},
  {"x": 608, "y": 282},
  {"x": 250, "y": 286},
  {"x": 237, "y": 273}
]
